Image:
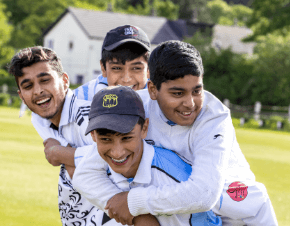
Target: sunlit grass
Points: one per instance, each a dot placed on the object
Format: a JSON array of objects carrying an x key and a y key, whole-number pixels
[{"x": 28, "y": 187}]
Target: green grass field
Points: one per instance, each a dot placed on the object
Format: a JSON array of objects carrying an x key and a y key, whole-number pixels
[{"x": 28, "y": 187}]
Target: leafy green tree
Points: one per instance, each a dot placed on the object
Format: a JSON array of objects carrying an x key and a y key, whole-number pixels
[
  {"x": 189, "y": 7},
  {"x": 30, "y": 18},
  {"x": 146, "y": 7},
  {"x": 224, "y": 14},
  {"x": 6, "y": 51},
  {"x": 271, "y": 70},
  {"x": 269, "y": 16}
]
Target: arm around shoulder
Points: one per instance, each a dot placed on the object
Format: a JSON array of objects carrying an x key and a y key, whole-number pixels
[{"x": 91, "y": 179}]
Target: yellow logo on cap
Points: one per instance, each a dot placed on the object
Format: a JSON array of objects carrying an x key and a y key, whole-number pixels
[{"x": 110, "y": 100}]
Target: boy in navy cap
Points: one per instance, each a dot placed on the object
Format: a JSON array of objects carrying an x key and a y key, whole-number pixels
[
  {"x": 59, "y": 113},
  {"x": 198, "y": 127},
  {"x": 118, "y": 126}
]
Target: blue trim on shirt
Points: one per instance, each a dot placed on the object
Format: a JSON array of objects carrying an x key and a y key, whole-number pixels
[
  {"x": 103, "y": 80},
  {"x": 205, "y": 219},
  {"x": 221, "y": 201},
  {"x": 78, "y": 157},
  {"x": 86, "y": 91},
  {"x": 170, "y": 163}
]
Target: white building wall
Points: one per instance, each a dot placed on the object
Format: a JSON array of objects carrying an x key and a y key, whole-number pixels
[{"x": 80, "y": 56}]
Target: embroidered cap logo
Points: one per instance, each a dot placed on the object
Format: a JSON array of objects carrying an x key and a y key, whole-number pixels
[
  {"x": 110, "y": 100},
  {"x": 128, "y": 31}
]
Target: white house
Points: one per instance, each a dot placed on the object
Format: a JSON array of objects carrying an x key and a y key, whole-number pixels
[{"x": 77, "y": 37}]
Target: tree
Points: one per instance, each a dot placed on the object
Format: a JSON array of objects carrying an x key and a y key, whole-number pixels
[
  {"x": 6, "y": 51},
  {"x": 30, "y": 18},
  {"x": 271, "y": 70},
  {"x": 224, "y": 14},
  {"x": 190, "y": 8},
  {"x": 147, "y": 7},
  {"x": 269, "y": 16}
]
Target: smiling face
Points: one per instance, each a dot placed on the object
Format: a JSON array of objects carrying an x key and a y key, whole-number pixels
[
  {"x": 123, "y": 152},
  {"x": 43, "y": 90},
  {"x": 180, "y": 100},
  {"x": 133, "y": 73}
]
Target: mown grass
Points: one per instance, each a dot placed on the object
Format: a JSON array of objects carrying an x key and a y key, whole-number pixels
[{"x": 28, "y": 187}]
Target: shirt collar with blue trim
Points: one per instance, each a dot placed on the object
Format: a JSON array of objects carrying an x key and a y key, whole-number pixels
[
  {"x": 163, "y": 117},
  {"x": 67, "y": 110},
  {"x": 143, "y": 175}
]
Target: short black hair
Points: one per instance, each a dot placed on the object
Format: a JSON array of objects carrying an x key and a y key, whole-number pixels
[
  {"x": 126, "y": 52},
  {"x": 29, "y": 56},
  {"x": 101, "y": 131},
  {"x": 171, "y": 60}
]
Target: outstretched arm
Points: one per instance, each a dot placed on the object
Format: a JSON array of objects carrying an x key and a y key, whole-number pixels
[{"x": 92, "y": 181}]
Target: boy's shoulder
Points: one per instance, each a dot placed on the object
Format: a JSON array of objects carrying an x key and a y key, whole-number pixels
[
  {"x": 89, "y": 89},
  {"x": 213, "y": 109},
  {"x": 171, "y": 163}
]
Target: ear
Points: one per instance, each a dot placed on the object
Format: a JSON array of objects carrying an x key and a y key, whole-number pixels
[
  {"x": 152, "y": 90},
  {"x": 93, "y": 134},
  {"x": 65, "y": 79},
  {"x": 145, "y": 128},
  {"x": 104, "y": 72},
  {"x": 148, "y": 74},
  {"x": 20, "y": 95}
]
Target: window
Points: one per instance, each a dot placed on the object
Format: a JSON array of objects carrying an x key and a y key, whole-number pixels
[
  {"x": 50, "y": 44},
  {"x": 70, "y": 45},
  {"x": 80, "y": 79}
]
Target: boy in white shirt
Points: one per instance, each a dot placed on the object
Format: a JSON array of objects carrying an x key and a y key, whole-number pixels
[
  {"x": 118, "y": 126},
  {"x": 196, "y": 125},
  {"x": 58, "y": 113}
]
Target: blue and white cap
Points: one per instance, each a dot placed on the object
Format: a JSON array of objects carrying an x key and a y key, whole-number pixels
[
  {"x": 116, "y": 108},
  {"x": 124, "y": 34}
]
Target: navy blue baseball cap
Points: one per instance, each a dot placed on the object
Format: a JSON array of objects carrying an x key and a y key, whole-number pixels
[
  {"x": 124, "y": 34},
  {"x": 116, "y": 108}
]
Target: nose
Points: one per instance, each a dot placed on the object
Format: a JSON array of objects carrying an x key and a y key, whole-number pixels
[
  {"x": 188, "y": 101},
  {"x": 37, "y": 89},
  {"x": 126, "y": 78},
  {"x": 117, "y": 152}
]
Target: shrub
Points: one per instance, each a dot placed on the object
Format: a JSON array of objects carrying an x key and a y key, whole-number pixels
[
  {"x": 252, "y": 123},
  {"x": 271, "y": 123},
  {"x": 4, "y": 99},
  {"x": 16, "y": 101}
]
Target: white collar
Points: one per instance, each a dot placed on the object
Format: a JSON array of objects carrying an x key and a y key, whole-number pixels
[
  {"x": 143, "y": 175},
  {"x": 67, "y": 110}
]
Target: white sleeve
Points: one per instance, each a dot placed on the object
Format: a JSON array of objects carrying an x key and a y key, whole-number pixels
[
  {"x": 91, "y": 179},
  {"x": 45, "y": 132},
  {"x": 204, "y": 187}
]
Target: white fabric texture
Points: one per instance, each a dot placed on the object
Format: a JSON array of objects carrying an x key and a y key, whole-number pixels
[
  {"x": 74, "y": 208},
  {"x": 211, "y": 147}
]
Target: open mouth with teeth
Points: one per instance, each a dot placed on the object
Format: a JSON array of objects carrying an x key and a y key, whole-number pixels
[
  {"x": 120, "y": 162},
  {"x": 43, "y": 102},
  {"x": 131, "y": 86},
  {"x": 185, "y": 113}
]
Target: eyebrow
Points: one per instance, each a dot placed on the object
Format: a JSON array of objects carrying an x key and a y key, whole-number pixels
[
  {"x": 182, "y": 89},
  {"x": 42, "y": 74}
]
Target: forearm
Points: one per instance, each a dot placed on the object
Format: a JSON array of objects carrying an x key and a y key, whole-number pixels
[
  {"x": 91, "y": 180},
  {"x": 64, "y": 155}
]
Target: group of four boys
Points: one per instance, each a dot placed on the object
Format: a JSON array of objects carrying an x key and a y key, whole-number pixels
[{"x": 166, "y": 154}]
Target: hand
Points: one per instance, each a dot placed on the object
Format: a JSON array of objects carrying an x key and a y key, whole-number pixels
[
  {"x": 145, "y": 220},
  {"x": 70, "y": 170},
  {"x": 118, "y": 209},
  {"x": 51, "y": 147}
]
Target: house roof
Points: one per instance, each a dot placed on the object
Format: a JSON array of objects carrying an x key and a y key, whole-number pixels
[
  {"x": 96, "y": 24},
  {"x": 232, "y": 36}
]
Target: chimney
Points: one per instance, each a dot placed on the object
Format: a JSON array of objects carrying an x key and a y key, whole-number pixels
[
  {"x": 194, "y": 16},
  {"x": 110, "y": 7}
]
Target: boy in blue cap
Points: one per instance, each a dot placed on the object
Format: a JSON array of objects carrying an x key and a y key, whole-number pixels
[
  {"x": 196, "y": 125},
  {"x": 118, "y": 126}
]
